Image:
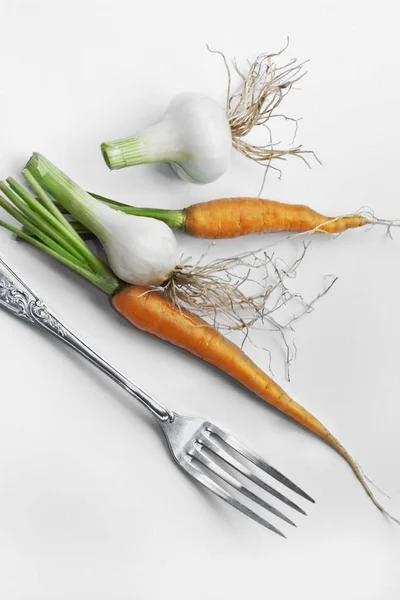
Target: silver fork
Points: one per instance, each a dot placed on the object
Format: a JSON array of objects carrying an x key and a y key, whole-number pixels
[{"x": 211, "y": 456}]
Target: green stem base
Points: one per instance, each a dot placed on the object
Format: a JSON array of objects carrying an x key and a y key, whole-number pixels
[
  {"x": 123, "y": 153},
  {"x": 173, "y": 218}
]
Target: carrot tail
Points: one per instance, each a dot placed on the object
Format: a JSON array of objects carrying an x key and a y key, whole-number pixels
[
  {"x": 361, "y": 477},
  {"x": 234, "y": 217},
  {"x": 150, "y": 311}
]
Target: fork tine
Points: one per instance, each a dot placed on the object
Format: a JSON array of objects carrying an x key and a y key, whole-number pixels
[
  {"x": 213, "y": 447},
  {"x": 223, "y": 494},
  {"x": 222, "y": 474},
  {"x": 257, "y": 460}
]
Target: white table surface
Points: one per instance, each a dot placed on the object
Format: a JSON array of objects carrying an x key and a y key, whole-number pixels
[{"x": 91, "y": 506}]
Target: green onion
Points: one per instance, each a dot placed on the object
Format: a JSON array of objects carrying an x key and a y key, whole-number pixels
[{"x": 140, "y": 250}]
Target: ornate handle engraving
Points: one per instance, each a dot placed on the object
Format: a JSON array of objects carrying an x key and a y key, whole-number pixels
[{"x": 23, "y": 303}]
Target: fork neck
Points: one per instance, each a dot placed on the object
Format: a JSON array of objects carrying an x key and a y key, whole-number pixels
[
  {"x": 22, "y": 302},
  {"x": 161, "y": 412}
]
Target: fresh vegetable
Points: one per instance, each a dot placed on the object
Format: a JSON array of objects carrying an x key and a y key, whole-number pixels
[
  {"x": 150, "y": 310},
  {"x": 234, "y": 217},
  {"x": 196, "y": 135},
  {"x": 242, "y": 216},
  {"x": 139, "y": 249}
]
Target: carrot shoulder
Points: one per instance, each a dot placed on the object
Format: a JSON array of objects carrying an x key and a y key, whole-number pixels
[
  {"x": 234, "y": 217},
  {"x": 151, "y": 312}
]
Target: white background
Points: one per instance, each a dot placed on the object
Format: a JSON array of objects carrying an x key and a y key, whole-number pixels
[{"x": 91, "y": 506}]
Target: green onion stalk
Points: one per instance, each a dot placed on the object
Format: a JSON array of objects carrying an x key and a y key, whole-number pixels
[
  {"x": 174, "y": 218},
  {"x": 46, "y": 227}
]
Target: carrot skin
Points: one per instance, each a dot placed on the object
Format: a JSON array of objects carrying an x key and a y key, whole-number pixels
[{"x": 235, "y": 217}]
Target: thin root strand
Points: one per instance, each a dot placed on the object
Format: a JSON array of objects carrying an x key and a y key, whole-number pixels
[
  {"x": 227, "y": 294},
  {"x": 254, "y": 104}
]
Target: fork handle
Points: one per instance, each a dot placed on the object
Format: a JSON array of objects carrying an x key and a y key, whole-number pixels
[{"x": 22, "y": 302}]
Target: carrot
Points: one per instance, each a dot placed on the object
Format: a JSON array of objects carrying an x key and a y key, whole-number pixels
[
  {"x": 234, "y": 217},
  {"x": 150, "y": 311}
]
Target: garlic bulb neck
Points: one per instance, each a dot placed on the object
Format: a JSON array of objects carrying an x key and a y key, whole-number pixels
[{"x": 155, "y": 144}]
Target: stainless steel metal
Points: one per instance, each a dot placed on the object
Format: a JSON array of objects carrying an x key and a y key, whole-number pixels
[
  {"x": 17, "y": 297},
  {"x": 205, "y": 452}
]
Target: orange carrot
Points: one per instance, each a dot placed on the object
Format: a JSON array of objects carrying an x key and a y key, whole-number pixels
[
  {"x": 150, "y": 311},
  {"x": 234, "y": 217}
]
